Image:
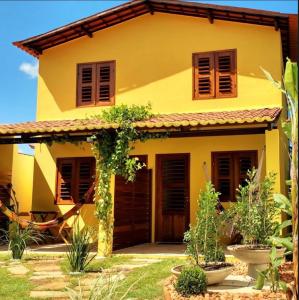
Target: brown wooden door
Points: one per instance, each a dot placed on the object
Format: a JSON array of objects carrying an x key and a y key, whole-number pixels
[
  {"x": 172, "y": 201},
  {"x": 132, "y": 210}
]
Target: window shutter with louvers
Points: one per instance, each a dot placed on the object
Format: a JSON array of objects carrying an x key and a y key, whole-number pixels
[
  {"x": 223, "y": 175},
  {"x": 74, "y": 178},
  {"x": 105, "y": 83},
  {"x": 229, "y": 170},
  {"x": 225, "y": 75},
  {"x": 85, "y": 174},
  {"x": 86, "y": 84},
  {"x": 66, "y": 181},
  {"x": 203, "y": 68}
]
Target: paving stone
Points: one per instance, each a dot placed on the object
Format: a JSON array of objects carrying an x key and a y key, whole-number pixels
[
  {"x": 43, "y": 277},
  {"x": 46, "y": 268},
  {"x": 52, "y": 286},
  {"x": 46, "y": 273},
  {"x": 48, "y": 294},
  {"x": 18, "y": 270},
  {"x": 87, "y": 281},
  {"x": 13, "y": 262},
  {"x": 237, "y": 281},
  {"x": 236, "y": 284}
]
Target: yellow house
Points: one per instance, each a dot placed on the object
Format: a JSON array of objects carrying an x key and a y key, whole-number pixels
[{"x": 199, "y": 67}]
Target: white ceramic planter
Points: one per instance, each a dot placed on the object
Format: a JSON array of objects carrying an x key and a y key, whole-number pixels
[
  {"x": 256, "y": 259},
  {"x": 213, "y": 277}
]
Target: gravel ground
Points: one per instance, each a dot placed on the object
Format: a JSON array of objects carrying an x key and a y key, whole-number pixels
[{"x": 286, "y": 274}]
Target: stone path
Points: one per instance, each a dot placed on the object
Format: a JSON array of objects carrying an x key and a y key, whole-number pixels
[
  {"x": 16, "y": 268},
  {"x": 51, "y": 283}
]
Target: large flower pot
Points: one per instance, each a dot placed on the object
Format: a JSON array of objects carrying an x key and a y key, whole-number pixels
[
  {"x": 257, "y": 258},
  {"x": 214, "y": 276}
]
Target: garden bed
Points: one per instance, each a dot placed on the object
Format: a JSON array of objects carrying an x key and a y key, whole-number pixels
[
  {"x": 171, "y": 294},
  {"x": 286, "y": 274}
]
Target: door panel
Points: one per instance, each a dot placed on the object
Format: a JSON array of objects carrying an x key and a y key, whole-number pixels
[
  {"x": 172, "y": 203},
  {"x": 132, "y": 210}
]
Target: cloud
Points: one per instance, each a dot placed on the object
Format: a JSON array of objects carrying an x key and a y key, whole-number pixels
[{"x": 31, "y": 69}]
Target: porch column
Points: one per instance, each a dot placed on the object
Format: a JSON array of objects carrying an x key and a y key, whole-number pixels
[
  {"x": 101, "y": 234},
  {"x": 277, "y": 157}
]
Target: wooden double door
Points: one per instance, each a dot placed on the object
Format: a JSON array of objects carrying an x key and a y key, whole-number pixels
[
  {"x": 172, "y": 197},
  {"x": 132, "y": 210}
]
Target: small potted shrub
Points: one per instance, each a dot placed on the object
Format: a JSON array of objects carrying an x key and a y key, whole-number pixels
[
  {"x": 191, "y": 281},
  {"x": 255, "y": 215},
  {"x": 203, "y": 238}
]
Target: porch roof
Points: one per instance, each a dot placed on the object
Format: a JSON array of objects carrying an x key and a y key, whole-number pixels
[{"x": 183, "y": 121}]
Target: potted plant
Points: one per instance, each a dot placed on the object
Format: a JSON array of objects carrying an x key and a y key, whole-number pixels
[
  {"x": 203, "y": 238},
  {"x": 255, "y": 215}
]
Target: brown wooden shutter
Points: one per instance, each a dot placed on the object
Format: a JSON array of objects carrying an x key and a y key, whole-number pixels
[
  {"x": 225, "y": 76},
  {"x": 86, "y": 84},
  {"x": 66, "y": 181},
  {"x": 203, "y": 68},
  {"x": 229, "y": 169},
  {"x": 174, "y": 185},
  {"x": 105, "y": 83},
  {"x": 244, "y": 161},
  {"x": 85, "y": 178},
  {"x": 223, "y": 175}
]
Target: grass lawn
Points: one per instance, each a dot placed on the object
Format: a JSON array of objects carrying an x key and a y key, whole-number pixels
[
  {"x": 12, "y": 287},
  {"x": 145, "y": 283},
  {"x": 148, "y": 280}
]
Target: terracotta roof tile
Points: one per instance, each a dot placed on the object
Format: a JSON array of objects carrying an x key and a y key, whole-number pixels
[{"x": 157, "y": 121}]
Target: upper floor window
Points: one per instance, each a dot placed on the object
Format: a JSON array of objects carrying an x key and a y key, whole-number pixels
[
  {"x": 214, "y": 74},
  {"x": 229, "y": 170},
  {"x": 75, "y": 177},
  {"x": 96, "y": 84}
]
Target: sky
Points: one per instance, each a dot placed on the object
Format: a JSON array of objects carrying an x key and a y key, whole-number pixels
[{"x": 23, "y": 19}]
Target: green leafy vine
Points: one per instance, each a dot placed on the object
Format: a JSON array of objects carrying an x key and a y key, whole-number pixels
[{"x": 111, "y": 149}]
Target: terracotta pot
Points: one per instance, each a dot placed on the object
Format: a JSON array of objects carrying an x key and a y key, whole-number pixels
[
  {"x": 213, "y": 276},
  {"x": 256, "y": 259}
]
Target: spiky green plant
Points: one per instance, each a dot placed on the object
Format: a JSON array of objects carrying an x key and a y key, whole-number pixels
[
  {"x": 106, "y": 287},
  {"x": 19, "y": 238},
  {"x": 79, "y": 251}
]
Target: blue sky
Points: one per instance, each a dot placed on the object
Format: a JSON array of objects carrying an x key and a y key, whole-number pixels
[{"x": 22, "y": 19}]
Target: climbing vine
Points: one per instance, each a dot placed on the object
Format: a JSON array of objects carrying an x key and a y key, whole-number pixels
[{"x": 111, "y": 148}]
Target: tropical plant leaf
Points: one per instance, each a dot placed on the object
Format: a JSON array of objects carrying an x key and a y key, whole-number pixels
[
  {"x": 291, "y": 79},
  {"x": 260, "y": 281},
  {"x": 284, "y": 242},
  {"x": 270, "y": 78},
  {"x": 283, "y": 203}
]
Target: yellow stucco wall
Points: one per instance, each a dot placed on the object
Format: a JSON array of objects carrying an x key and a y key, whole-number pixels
[
  {"x": 22, "y": 179},
  {"x": 6, "y": 157},
  {"x": 200, "y": 149},
  {"x": 153, "y": 55},
  {"x": 44, "y": 185}
]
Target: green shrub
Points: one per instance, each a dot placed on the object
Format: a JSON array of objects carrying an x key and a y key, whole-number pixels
[
  {"x": 79, "y": 249},
  {"x": 203, "y": 238},
  {"x": 255, "y": 213},
  {"x": 191, "y": 281}
]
